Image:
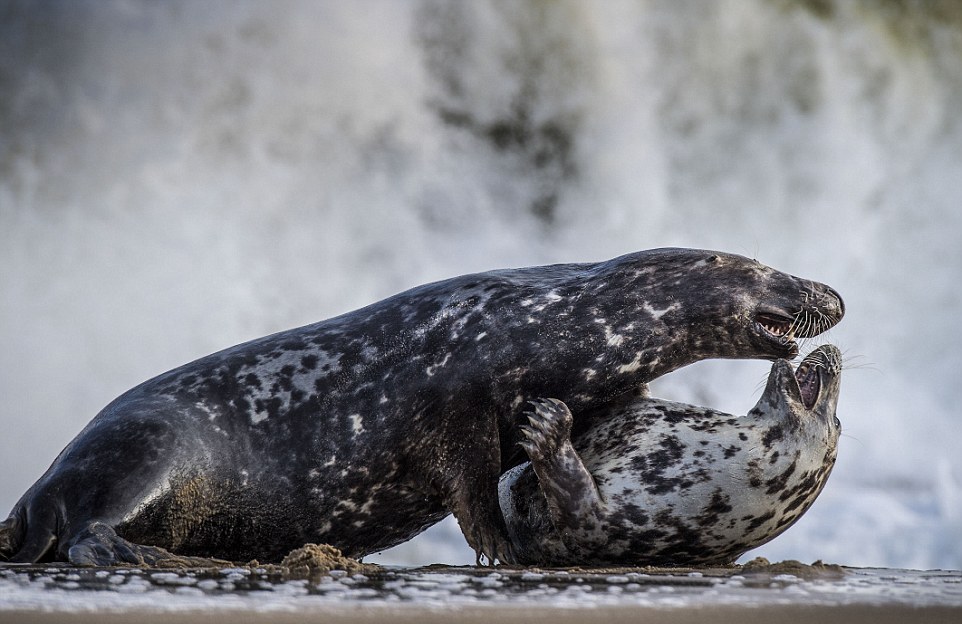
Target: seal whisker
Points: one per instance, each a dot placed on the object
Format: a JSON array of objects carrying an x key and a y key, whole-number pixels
[
  {"x": 809, "y": 323},
  {"x": 822, "y": 321},
  {"x": 851, "y": 361},
  {"x": 851, "y": 437},
  {"x": 794, "y": 326}
]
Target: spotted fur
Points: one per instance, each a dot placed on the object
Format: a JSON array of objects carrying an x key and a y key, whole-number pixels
[
  {"x": 362, "y": 430},
  {"x": 663, "y": 483}
]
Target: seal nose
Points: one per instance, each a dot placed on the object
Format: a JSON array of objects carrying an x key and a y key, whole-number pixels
[{"x": 833, "y": 297}]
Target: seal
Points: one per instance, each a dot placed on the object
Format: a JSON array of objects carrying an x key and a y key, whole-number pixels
[
  {"x": 362, "y": 430},
  {"x": 666, "y": 484}
]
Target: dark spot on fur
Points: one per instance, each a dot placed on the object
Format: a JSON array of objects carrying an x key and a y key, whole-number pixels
[
  {"x": 731, "y": 451},
  {"x": 760, "y": 520},
  {"x": 242, "y": 405},
  {"x": 777, "y": 484},
  {"x": 309, "y": 362},
  {"x": 774, "y": 434},
  {"x": 808, "y": 484},
  {"x": 635, "y": 514},
  {"x": 273, "y": 406},
  {"x": 719, "y": 504}
]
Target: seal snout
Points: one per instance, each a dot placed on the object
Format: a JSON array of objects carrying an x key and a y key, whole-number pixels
[
  {"x": 823, "y": 313},
  {"x": 833, "y": 303}
]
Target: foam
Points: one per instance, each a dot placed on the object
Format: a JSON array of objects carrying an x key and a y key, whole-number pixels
[{"x": 176, "y": 181}]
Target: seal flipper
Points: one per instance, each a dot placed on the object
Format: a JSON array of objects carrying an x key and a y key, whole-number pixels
[
  {"x": 11, "y": 536},
  {"x": 574, "y": 504},
  {"x": 471, "y": 493},
  {"x": 483, "y": 528},
  {"x": 27, "y": 537},
  {"x": 99, "y": 545}
]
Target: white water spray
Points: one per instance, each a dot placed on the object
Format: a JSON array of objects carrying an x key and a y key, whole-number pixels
[{"x": 179, "y": 177}]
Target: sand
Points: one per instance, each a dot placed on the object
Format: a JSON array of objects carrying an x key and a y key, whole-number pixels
[
  {"x": 318, "y": 584},
  {"x": 800, "y": 614}
]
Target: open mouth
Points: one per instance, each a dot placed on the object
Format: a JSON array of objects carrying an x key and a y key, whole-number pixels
[
  {"x": 778, "y": 328},
  {"x": 809, "y": 378},
  {"x": 783, "y": 328}
]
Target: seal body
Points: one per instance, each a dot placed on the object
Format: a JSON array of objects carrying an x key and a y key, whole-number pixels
[
  {"x": 362, "y": 430},
  {"x": 663, "y": 483}
]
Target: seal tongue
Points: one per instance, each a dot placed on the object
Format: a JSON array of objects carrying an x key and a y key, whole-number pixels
[{"x": 809, "y": 383}]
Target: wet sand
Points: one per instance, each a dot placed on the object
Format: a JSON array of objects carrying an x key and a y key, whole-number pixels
[
  {"x": 759, "y": 592},
  {"x": 414, "y": 614}
]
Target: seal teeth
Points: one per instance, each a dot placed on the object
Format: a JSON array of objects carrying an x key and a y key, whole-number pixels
[
  {"x": 777, "y": 326},
  {"x": 775, "y": 329}
]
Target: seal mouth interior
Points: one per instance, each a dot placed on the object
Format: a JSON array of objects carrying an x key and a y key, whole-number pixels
[
  {"x": 778, "y": 327},
  {"x": 809, "y": 378}
]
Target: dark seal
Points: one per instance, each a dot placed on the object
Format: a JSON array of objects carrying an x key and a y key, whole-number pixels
[
  {"x": 663, "y": 483},
  {"x": 362, "y": 430}
]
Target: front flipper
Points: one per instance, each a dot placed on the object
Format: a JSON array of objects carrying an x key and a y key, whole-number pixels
[
  {"x": 479, "y": 516},
  {"x": 99, "y": 545},
  {"x": 465, "y": 467},
  {"x": 574, "y": 503}
]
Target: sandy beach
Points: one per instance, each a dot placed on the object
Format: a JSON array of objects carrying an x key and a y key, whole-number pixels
[
  {"x": 854, "y": 614},
  {"x": 786, "y": 591}
]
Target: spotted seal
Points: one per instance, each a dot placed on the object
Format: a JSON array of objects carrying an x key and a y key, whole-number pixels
[
  {"x": 362, "y": 430},
  {"x": 664, "y": 483}
]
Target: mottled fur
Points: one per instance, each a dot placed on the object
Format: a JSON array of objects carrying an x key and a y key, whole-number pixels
[
  {"x": 362, "y": 430},
  {"x": 664, "y": 483}
]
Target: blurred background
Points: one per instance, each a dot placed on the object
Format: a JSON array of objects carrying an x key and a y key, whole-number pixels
[{"x": 177, "y": 177}]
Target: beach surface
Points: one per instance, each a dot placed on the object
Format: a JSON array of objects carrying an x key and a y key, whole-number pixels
[{"x": 753, "y": 593}]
